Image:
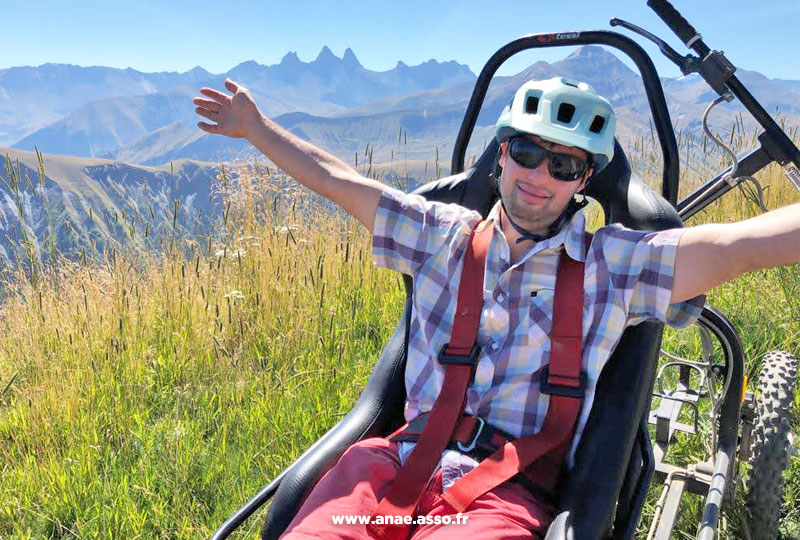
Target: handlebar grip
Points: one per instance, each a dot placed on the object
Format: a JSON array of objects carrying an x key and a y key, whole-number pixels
[{"x": 673, "y": 19}]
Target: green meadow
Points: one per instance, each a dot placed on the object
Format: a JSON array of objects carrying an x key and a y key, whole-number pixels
[{"x": 148, "y": 395}]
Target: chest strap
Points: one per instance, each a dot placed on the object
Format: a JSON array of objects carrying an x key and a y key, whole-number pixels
[
  {"x": 565, "y": 383},
  {"x": 563, "y": 380},
  {"x": 472, "y": 435}
]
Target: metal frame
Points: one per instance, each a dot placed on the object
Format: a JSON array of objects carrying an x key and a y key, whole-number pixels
[{"x": 709, "y": 478}]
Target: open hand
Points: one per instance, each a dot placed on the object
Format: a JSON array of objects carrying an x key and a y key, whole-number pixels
[{"x": 233, "y": 116}]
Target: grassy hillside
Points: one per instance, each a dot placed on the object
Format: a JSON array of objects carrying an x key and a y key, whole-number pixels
[
  {"x": 82, "y": 207},
  {"x": 149, "y": 396}
]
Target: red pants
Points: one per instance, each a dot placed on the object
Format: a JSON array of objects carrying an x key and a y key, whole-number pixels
[{"x": 355, "y": 485}]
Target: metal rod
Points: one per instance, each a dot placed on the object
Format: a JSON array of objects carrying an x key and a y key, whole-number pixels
[
  {"x": 666, "y": 50},
  {"x": 728, "y": 419},
  {"x": 716, "y": 492},
  {"x": 670, "y": 507},
  {"x": 717, "y": 187},
  {"x": 773, "y": 131}
]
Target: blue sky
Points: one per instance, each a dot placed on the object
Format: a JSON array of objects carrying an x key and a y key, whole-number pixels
[{"x": 151, "y": 35}]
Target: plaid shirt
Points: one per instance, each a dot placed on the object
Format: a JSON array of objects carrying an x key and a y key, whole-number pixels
[{"x": 627, "y": 278}]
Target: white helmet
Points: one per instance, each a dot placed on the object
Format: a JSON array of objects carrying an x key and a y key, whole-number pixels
[{"x": 563, "y": 111}]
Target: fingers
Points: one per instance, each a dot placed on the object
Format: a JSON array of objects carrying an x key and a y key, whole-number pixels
[
  {"x": 216, "y": 95},
  {"x": 208, "y": 104},
  {"x": 211, "y": 108},
  {"x": 231, "y": 86},
  {"x": 208, "y": 128},
  {"x": 211, "y": 115}
]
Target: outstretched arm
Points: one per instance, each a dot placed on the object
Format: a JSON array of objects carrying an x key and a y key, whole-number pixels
[
  {"x": 709, "y": 255},
  {"x": 237, "y": 116}
]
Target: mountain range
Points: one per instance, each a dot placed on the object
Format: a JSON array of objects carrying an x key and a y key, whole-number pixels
[
  {"x": 96, "y": 111},
  {"x": 124, "y": 161},
  {"x": 148, "y": 118}
]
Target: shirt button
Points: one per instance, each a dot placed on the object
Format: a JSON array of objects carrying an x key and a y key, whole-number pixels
[
  {"x": 500, "y": 298},
  {"x": 495, "y": 346}
]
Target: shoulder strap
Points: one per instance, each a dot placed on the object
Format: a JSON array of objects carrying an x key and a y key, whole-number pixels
[
  {"x": 563, "y": 380},
  {"x": 459, "y": 357}
]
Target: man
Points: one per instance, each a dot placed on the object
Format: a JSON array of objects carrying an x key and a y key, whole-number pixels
[{"x": 553, "y": 136}]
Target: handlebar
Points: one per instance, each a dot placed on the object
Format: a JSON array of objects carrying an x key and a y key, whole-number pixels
[
  {"x": 718, "y": 72},
  {"x": 676, "y": 22}
]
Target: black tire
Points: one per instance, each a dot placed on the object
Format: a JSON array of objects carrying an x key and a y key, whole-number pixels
[{"x": 770, "y": 444}]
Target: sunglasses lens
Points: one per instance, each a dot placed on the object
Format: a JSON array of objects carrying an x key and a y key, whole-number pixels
[
  {"x": 566, "y": 167},
  {"x": 530, "y": 155},
  {"x": 527, "y": 153}
]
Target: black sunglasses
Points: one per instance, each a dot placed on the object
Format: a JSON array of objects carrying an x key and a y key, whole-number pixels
[{"x": 530, "y": 155}]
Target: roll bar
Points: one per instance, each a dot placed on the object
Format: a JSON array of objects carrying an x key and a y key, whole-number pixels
[{"x": 652, "y": 86}]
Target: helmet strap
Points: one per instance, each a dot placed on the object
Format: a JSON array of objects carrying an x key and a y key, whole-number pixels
[
  {"x": 570, "y": 210},
  {"x": 573, "y": 206}
]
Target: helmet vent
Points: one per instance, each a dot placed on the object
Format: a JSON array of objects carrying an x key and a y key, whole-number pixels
[
  {"x": 597, "y": 124},
  {"x": 565, "y": 113},
  {"x": 531, "y": 104}
]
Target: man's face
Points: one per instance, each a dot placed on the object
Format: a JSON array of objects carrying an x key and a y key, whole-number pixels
[{"x": 532, "y": 197}]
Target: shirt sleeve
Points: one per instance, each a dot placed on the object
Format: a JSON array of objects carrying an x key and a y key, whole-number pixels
[
  {"x": 641, "y": 267},
  {"x": 408, "y": 229}
]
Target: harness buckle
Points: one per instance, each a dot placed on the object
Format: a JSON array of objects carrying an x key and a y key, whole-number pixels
[
  {"x": 546, "y": 387},
  {"x": 474, "y": 442},
  {"x": 469, "y": 360}
]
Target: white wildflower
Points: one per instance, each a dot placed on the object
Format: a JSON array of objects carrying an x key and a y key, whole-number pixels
[{"x": 235, "y": 295}]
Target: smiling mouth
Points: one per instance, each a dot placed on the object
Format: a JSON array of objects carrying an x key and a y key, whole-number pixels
[{"x": 533, "y": 194}]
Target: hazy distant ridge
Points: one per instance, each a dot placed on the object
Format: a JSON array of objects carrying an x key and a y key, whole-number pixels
[
  {"x": 42, "y": 104},
  {"x": 148, "y": 118}
]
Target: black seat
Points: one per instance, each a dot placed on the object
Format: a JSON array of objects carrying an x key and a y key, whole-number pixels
[{"x": 602, "y": 494}]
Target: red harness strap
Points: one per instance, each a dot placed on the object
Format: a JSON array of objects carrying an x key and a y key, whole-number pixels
[
  {"x": 562, "y": 379},
  {"x": 459, "y": 357}
]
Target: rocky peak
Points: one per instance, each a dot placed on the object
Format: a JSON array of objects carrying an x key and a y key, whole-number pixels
[
  {"x": 290, "y": 58},
  {"x": 350, "y": 59},
  {"x": 594, "y": 56},
  {"x": 326, "y": 56}
]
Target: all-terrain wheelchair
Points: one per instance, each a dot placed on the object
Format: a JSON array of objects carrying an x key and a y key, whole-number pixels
[{"x": 603, "y": 495}]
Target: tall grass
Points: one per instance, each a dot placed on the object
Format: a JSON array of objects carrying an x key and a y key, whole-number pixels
[
  {"x": 150, "y": 395},
  {"x": 149, "y": 399}
]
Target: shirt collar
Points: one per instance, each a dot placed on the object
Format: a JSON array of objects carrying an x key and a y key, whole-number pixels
[{"x": 571, "y": 236}]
